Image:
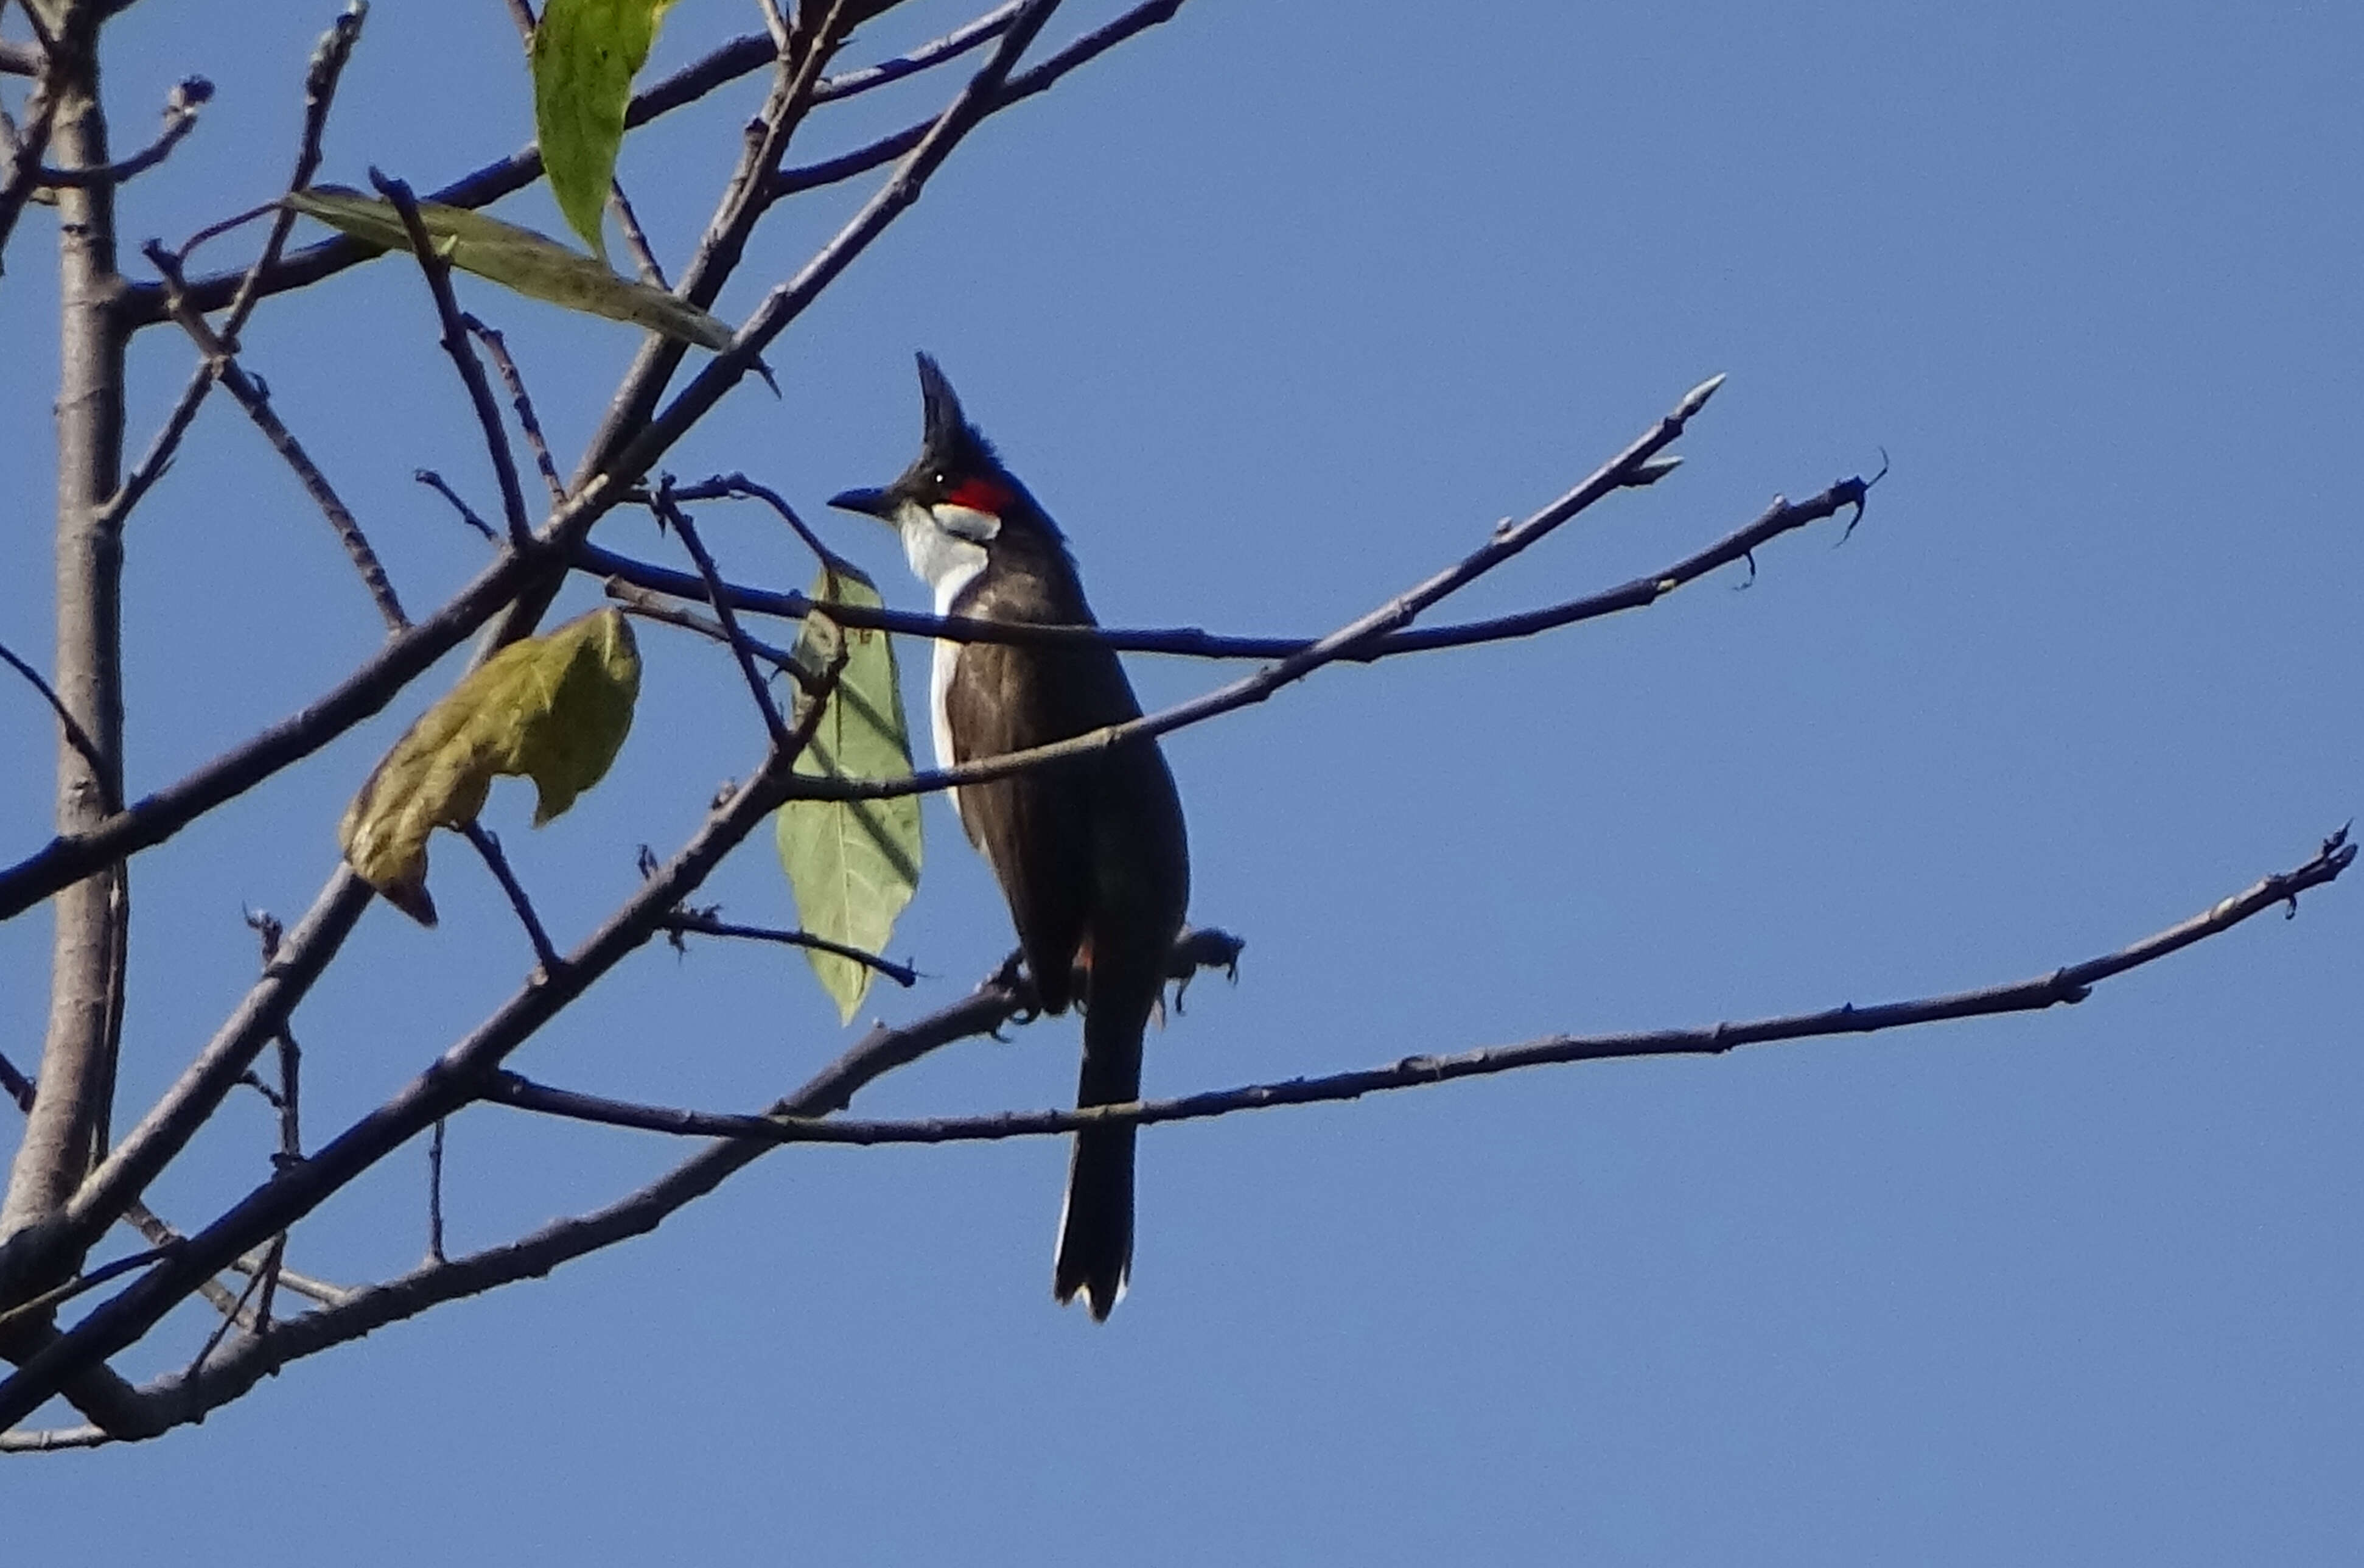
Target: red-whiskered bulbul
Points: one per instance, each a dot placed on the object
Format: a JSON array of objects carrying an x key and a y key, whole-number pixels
[{"x": 1090, "y": 852}]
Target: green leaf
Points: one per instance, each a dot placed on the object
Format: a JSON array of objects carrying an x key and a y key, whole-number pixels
[
  {"x": 853, "y": 865},
  {"x": 515, "y": 257},
  {"x": 554, "y": 709},
  {"x": 585, "y": 55}
]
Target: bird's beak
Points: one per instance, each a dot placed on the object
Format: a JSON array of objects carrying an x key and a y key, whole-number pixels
[{"x": 870, "y": 503}]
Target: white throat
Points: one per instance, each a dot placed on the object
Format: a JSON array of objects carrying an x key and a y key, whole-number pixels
[{"x": 947, "y": 548}]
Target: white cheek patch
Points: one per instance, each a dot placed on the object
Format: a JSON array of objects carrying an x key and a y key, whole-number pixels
[{"x": 965, "y": 522}]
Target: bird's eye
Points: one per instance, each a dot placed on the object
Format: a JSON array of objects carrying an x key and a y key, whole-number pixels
[{"x": 943, "y": 481}]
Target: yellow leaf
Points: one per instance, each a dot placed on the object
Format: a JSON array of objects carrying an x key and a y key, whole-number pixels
[{"x": 554, "y": 709}]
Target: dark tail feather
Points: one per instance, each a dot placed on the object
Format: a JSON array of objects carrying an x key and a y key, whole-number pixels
[{"x": 1096, "y": 1231}]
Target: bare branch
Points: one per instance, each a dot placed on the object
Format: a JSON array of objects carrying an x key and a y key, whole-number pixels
[
  {"x": 181, "y": 106},
  {"x": 2068, "y": 985},
  {"x": 38, "y": 1307},
  {"x": 320, "y": 79},
  {"x": 694, "y": 922},
  {"x": 76, "y": 736},
  {"x": 251, "y": 398},
  {"x": 1353, "y": 639},
  {"x": 797, "y": 1119},
  {"x": 887, "y": 149},
  {"x": 437, "y": 483},
  {"x": 435, "y": 1192},
  {"x": 464, "y": 355},
  {"x": 56, "y": 1439},
  {"x": 679, "y": 521},
  {"x": 176, "y": 1401},
  {"x": 294, "y": 1192},
  {"x": 742, "y": 56},
  {"x": 68, "y": 1124},
  {"x": 498, "y": 347},
  {"x": 24, "y": 175},
  {"x": 789, "y": 300},
  {"x": 628, "y": 576},
  {"x": 957, "y": 42},
  {"x": 652, "y": 607},
  {"x": 741, "y": 206},
  {"x": 489, "y": 848},
  {"x": 636, "y": 240}
]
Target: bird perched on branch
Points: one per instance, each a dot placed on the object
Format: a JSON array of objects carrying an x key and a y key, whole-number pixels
[{"x": 1091, "y": 852}]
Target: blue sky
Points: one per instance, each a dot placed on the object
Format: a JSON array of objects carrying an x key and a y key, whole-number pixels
[{"x": 1277, "y": 309}]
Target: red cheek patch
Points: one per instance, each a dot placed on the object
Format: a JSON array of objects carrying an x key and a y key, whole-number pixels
[{"x": 980, "y": 495}]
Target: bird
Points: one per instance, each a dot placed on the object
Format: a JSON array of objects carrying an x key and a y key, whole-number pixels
[{"x": 1091, "y": 852}]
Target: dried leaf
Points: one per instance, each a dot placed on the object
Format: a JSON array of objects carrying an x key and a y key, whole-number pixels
[
  {"x": 853, "y": 865},
  {"x": 515, "y": 257},
  {"x": 554, "y": 709}
]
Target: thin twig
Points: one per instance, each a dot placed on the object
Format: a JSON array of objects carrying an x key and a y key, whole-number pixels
[
  {"x": 18, "y": 1087},
  {"x": 497, "y": 346},
  {"x": 435, "y": 1194},
  {"x": 180, "y": 1400},
  {"x": 647, "y": 606},
  {"x": 726, "y": 64},
  {"x": 292, "y": 1192},
  {"x": 695, "y": 923},
  {"x": 680, "y": 522},
  {"x": 181, "y": 106},
  {"x": 68, "y": 860},
  {"x": 629, "y": 578},
  {"x": 320, "y": 79},
  {"x": 740, "y": 485},
  {"x": 455, "y": 342},
  {"x": 273, "y": 1254},
  {"x": 1025, "y": 84},
  {"x": 957, "y": 42},
  {"x": 629, "y": 456},
  {"x": 41, "y": 1305},
  {"x": 251, "y": 398},
  {"x": 222, "y": 1330},
  {"x": 1625, "y": 470},
  {"x": 76, "y": 736},
  {"x": 2069, "y": 985},
  {"x": 489, "y": 848},
  {"x": 436, "y": 482},
  {"x": 644, "y": 258},
  {"x": 743, "y": 202},
  {"x": 289, "y": 1102},
  {"x": 25, "y": 168},
  {"x": 144, "y": 1220}
]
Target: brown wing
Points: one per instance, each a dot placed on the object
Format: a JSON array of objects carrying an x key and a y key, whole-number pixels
[{"x": 1032, "y": 829}]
